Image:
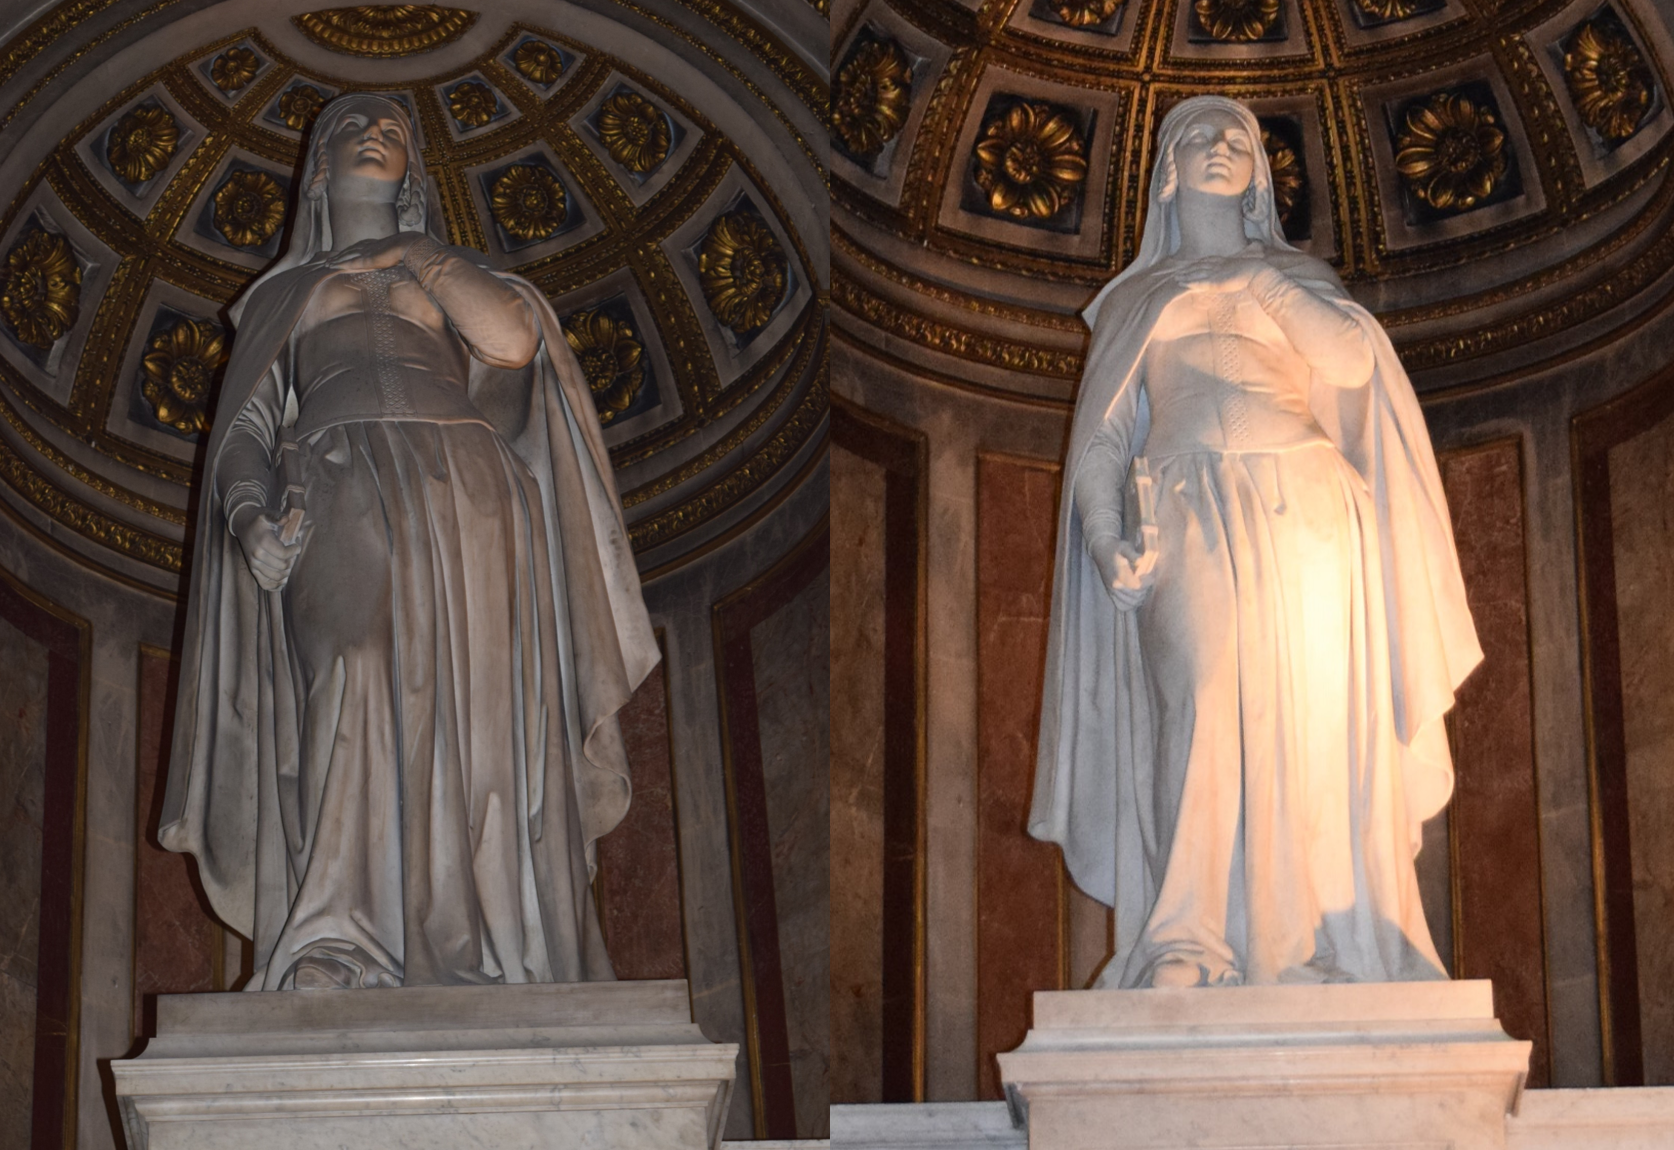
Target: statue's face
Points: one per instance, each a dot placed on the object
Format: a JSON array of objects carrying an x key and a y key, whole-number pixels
[
  {"x": 1215, "y": 154},
  {"x": 371, "y": 144}
]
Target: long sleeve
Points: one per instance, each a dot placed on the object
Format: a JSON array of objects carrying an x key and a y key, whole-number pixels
[
  {"x": 244, "y": 470},
  {"x": 1326, "y": 336},
  {"x": 486, "y": 311},
  {"x": 1102, "y": 474}
]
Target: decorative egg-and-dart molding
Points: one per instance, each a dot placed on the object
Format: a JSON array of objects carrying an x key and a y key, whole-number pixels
[
  {"x": 142, "y": 143},
  {"x": 233, "y": 69},
  {"x": 743, "y": 271},
  {"x": 385, "y": 30},
  {"x": 1452, "y": 152},
  {"x": 528, "y": 202},
  {"x": 874, "y": 91},
  {"x": 180, "y": 372},
  {"x": 634, "y": 131},
  {"x": 1608, "y": 78},
  {"x": 1030, "y": 161},
  {"x": 41, "y": 294},
  {"x": 612, "y": 359}
]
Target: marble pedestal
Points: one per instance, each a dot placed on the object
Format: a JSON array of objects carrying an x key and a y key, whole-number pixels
[
  {"x": 1396, "y": 1066},
  {"x": 585, "y": 1066}
]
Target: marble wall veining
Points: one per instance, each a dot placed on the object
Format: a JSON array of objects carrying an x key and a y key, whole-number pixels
[{"x": 23, "y": 716}]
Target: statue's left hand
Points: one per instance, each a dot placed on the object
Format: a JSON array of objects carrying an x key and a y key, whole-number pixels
[{"x": 374, "y": 255}]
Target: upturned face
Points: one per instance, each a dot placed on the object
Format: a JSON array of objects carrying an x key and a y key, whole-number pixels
[
  {"x": 1215, "y": 154},
  {"x": 372, "y": 144}
]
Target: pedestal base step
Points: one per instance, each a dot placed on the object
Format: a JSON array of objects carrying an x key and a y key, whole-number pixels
[
  {"x": 1396, "y": 1066},
  {"x": 588, "y": 1066}
]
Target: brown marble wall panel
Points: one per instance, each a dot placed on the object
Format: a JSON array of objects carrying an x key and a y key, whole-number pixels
[
  {"x": 639, "y": 887},
  {"x": 1494, "y": 819},
  {"x": 881, "y": 657},
  {"x": 178, "y": 947},
  {"x": 857, "y": 777},
  {"x": 1021, "y": 893},
  {"x": 1641, "y": 493},
  {"x": 43, "y": 718},
  {"x": 1624, "y": 663},
  {"x": 778, "y": 786},
  {"x": 791, "y": 655}
]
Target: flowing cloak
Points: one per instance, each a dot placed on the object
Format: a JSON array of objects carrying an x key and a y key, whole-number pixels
[
  {"x": 233, "y": 713},
  {"x": 1096, "y": 724}
]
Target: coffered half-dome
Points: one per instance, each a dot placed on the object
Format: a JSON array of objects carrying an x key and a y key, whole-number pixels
[
  {"x": 1490, "y": 179},
  {"x": 667, "y": 196}
]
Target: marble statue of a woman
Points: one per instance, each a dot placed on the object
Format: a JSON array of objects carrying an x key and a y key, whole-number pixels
[
  {"x": 413, "y": 613},
  {"x": 1258, "y": 620}
]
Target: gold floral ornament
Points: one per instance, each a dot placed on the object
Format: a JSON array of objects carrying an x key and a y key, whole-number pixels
[
  {"x": 1388, "y": 11},
  {"x": 1237, "y": 20},
  {"x": 1030, "y": 162},
  {"x": 528, "y": 202},
  {"x": 611, "y": 358},
  {"x": 1608, "y": 80},
  {"x": 1287, "y": 174},
  {"x": 41, "y": 293},
  {"x": 249, "y": 208},
  {"x": 142, "y": 143},
  {"x": 873, "y": 91},
  {"x": 743, "y": 272},
  {"x": 233, "y": 69},
  {"x": 634, "y": 131},
  {"x": 299, "y": 106},
  {"x": 538, "y": 61},
  {"x": 472, "y": 104},
  {"x": 385, "y": 30},
  {"x": 1451, "y": 152},
  {"x": 179, "y": 369},
  {"x": 1085, "y": 13}
]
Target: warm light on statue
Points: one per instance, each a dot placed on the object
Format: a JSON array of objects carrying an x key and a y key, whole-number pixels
[{"x": 1258, "y": 620}]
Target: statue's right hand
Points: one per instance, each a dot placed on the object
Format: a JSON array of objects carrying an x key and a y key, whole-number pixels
[
  {"x": 270, "y": 559},
  {"x": 1118, "y": 566}
]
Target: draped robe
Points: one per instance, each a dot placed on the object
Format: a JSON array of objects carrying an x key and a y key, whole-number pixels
[
  {"x": 1097, "y": 783},
  {"x": 312, "y": 792}
]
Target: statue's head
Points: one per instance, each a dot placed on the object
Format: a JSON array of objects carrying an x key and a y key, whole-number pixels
[
  {"x": 1212, "y": 145},
  {"x": 362, "y": 147}
]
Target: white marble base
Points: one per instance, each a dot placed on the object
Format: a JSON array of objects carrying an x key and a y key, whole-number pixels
[
  {"x": 585, "y": 1066},
  {"x": 1398, "y": 1066}
]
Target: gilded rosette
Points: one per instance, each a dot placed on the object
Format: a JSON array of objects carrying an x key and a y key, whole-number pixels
[
  {"x": 528, "y": 202},
  {"x": 179, "y": 370},
  {"x": 385, "y": 30},
  {"x": 1030, "y": 162},
  {"x": 1085, "y": 13},
  {"x": 233, "y": 69},
  {"x": 1388, "y": 11},
  {"x": 611, "y": 358},
  {"x": 1287, "y": 174},
  {"x": 743, "y": 271},
  {"x": 634, "y": 131},
  {"x": 874, "y": 90},
  {"x": 142, "y": 143},
  {"x": 249, "y": 208},
  {"x": 1608, "y": 79},
  {"x": 41, "y": 295},
  {"x": 538, "y": 61},
  {"x": 472, "y": 104},
  {"x": 299, "y": 106},
  {"x": 1451, "y": 152},
  {"x": 1237, "y": 21}
]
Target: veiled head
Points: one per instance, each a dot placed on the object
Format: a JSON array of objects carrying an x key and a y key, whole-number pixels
[
  {"x": 1215, "y": 154},
  {"x": 363, "y": 145}
]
